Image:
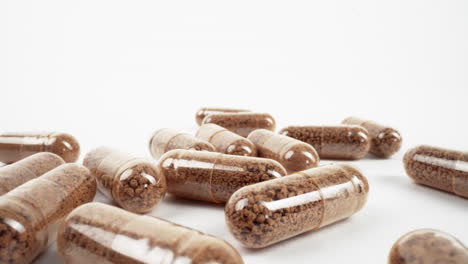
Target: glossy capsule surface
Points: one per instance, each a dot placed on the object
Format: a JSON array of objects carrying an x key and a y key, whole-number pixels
[
  {"x": 293, "y": 154},
  {"x": 427, "y": 246},
  {"x": 99, "y": 233},
  {"x": 166, "y": 139},
  {"x": 17, "y": 146},
  {"x": 385, "y": 141},
  {"x": 205, "y": 111},
  {"x": 439, "y": 168},
  {"x": 213, "y": 177},
  {"x": 225, "y": 141},
  {"x": 266, "y": 213},
  {"x": 30, "y": 213},
  {"x": 242, "y": 123},
  {"x": 342, "y": 142}
]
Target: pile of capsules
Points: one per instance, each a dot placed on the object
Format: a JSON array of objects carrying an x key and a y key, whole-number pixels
[{"x": 270, "y": 183}]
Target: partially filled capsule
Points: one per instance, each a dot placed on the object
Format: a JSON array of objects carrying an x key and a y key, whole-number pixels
[
  {"x": 439, "y": 168},
  {"x": 242, "y": 123},
  {"x": 205, "y": 111},
  {"x": 30, "y": 213},
  {"x": 385, "y": 141},
  {"x": 293, "y": 154},
  {"x": 427, "y": 246},
  {"x": 99, "y": 233},
  {"x": 166, "y": 139},
  {"x": 17, "y": 146},
  {"x": 225, "y": 141},
  {"x": 13, "y": 175},
  {"x": 135, "y": 184},
  {"x": 213, "y": 177},
  {"x": 266, "y": 213},
  {"x": 343, "y": 142}
]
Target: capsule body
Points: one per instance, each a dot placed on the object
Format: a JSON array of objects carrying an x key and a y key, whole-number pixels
[
  {"x": 17, "y": 146},
  {"x": 265, "y": 213},
  {"x": 293, "y": 154},
  {"x": 428, "y": 246},
  {"x": 99, "y": 233},
  {"x": 205, "y": 111},
  {"x": 30, "y": 213},
  {"x": 439, "y": 168},
  {"x": 167, "y": 139},
  {"x": 385, "y": 141},
  {"x": 225, "y": 141},
  {"x": 13, "y": 175},
  {"x": 242, "y": 123},
  {"x": 133, "y": 183},
  {"x": 346, "y": 142},
  {"x": 213, "y": 177}
]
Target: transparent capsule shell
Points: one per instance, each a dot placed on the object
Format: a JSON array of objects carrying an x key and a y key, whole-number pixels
[
  {"x": 341, "y": 142},
  {"x": 242, "y": 123},
  {"x": 439, "y": 168},
  {"x": 135, "y": 184},
  {"x": 225, "y": 141},
  {"x": 213, "y": 177},
  {"x": 205, "y": 111},
  {"x": 266, "y": 213}
]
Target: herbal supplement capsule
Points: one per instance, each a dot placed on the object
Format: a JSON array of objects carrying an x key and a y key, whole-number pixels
[
  {"x": 167, "y": 139},
  {"x": 345, "y": 142},
  {"x": 203, "y": 112},
  {"x": 135, "y": 184},
  {"x": 213, "y": 177},
  {"x": 17, "y": 146},
  {"x": 385, "y": 141},
  {"x": 226, "y": 141},
  {"x": 30, "y": 213},
  {"x": 99, "y": 233},
  {"x": 268, "y": 212},
  {"x": 13, "y": 175},
  {"x": 439, "y": 168},
  {"x": 293, "y": 154},
  {"x": 242, "y": 123},
  {"x": 426, "y": 246}
]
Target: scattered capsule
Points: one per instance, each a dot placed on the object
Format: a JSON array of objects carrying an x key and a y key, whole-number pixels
[
  {"x": 17, "y": 146},
  {"x": 385, "y": 141},
  {"x": 213, "y": 177},
  {"x": 226, "y": 141},
  {"x": 293, "y": 154},
  {"x": 347, "y": 142},
  {"x": 439, "y": 168},
  {"x": 167, "y": 139},
  {"x": 242, "y": 123},
  {"x": 203, "y": 112},
  {"x": 265, "y": 213}
]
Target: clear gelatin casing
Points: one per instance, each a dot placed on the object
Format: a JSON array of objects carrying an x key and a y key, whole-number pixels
[
  {"x": 242, "y": 123},
  {"x": 439, "y": 168},
  {"x": 205, "y": 111},
  {"x": 99, "y": 233},
  {"x": 266, "y": 213},
  {"x": 213, "y": 177},
  {"x": 225, "y": 141}
]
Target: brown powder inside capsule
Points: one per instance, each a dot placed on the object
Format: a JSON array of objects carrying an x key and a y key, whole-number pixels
[
  {"x": 226, "y": 141},
  {"x": 242, "y": 123},
  {"x": 206, "y": 111}
]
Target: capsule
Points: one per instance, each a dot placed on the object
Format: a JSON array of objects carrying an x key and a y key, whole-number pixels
[
  {"x": 427, "y": 246},
  {"x": 226, "y": 141},
  {"x": 203, "y": 112},
  {"x": 385, "y": 141},
  {"x": 30, "y": 213},
  {"x": 343, "y": 142},
  {"x": 135, "y": 184},
  {"x": 99, "y": 233},
  {"x": 262, "y": 214},
  {"x": 13, "y": 175},
  {"x": 439, "y": 168},
  {"x": 293, "y": 154},
  {"x": 167, "y": 139},
  {"x": 213, "y": 177},
  {"x": 242, "y": 123},
  {"x": 17, "y": 146}
]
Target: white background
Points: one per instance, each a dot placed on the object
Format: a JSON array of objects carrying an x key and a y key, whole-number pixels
[{"x": 111, "y": 72}]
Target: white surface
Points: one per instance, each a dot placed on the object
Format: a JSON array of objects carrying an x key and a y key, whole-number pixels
[{"x": 110, "y": 72}]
